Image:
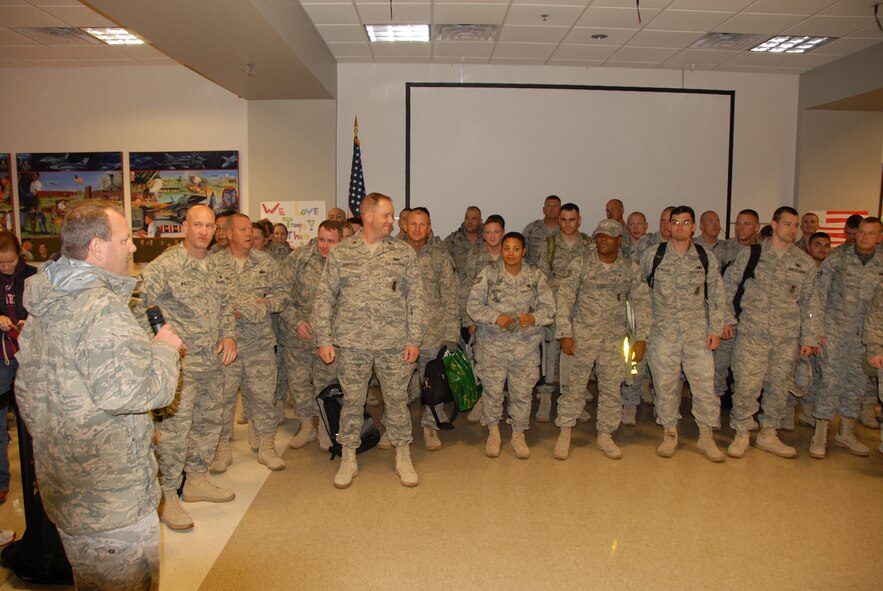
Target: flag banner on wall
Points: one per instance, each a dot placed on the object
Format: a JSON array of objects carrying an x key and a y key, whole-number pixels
[
  {"x": 832, "y": 221},
  {"x": 357, "y": 180},
  {"x": 301, "y": 218}
]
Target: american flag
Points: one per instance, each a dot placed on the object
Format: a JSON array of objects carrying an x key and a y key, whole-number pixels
[
  {"x": 357, "y": 181},
  {"x": 832, "y": 222}
]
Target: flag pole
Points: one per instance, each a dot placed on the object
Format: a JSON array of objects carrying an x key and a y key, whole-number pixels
[{"x": 356, "y": 131}]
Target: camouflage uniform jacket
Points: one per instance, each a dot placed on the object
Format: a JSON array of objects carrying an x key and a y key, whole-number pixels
[
  {"x": 535, "y": 236},
  {"x": 727, "y": 251},
  {"x": 302, "y": 270},
  {"x": 592, "y": 300},
  {"x": 261, "y": 277},
  {"x": 873, "y": 336},
  {"x": 645, "y": 242},
  {"x": 496, "y": 292},
  {"x": 279, "y": 252},
  {"x": 88, "y": 377},
  {"x": 193, "y": 299},
  {"x": 562, "y": 255},
  {"x": 369, "y": 301},
  {"x": 459, "y": 247},
  {"x": 440, "y": 287},
  {"x": 781, "y": 299},
  {"x": 677, "y": 295},
  {"x": 478, "y": 259},
  {"x": 846, "y": 288}
]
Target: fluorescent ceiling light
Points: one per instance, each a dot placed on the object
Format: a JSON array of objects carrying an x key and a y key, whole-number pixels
[
  {"x": 786, "y": 44},
  {"x": 114, "y": 35},
  {"x": 387, "y": 33}
]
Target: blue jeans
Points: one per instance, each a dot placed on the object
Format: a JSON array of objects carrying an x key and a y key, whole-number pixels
[{"x": 7, "y": 374}]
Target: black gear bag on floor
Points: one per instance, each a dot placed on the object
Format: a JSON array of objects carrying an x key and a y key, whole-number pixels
[
  {"x": 330, "y": 401},
  {"x": 435, "y": 389}
]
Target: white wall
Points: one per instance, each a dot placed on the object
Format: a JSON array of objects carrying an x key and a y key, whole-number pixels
[
  {"x": 764, "y": 137},
  {"x": 155, "y": 108}
]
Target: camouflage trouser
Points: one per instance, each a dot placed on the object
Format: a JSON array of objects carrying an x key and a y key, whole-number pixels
[
  {"x": 427, "y": 420},
  {"x": 605, "y": 355},
  {"x": 188, "y": 438},
  {"x": 843, "y": 379},
  {"x": 354, "y": 372},
  {"x": 723, "y": 359},
  {"x": 551, "y": 357},
  {"x": 761, "y": 362},
  {"x": 124, "y": 558},
  {"x": 631, "y": 393},
  {"x": 307, "y": 376},
  {"x": 281, "y": 374},
  {"x": 507, "y": 359},
  {"x": 255, "y": 372},
  {"x": 665, "y": 357}
]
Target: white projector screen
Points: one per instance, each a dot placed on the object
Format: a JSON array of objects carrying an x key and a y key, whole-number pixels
[{"x": 506, "y": 147}]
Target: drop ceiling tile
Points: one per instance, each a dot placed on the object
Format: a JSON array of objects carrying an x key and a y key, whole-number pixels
[
  {"x": 437, "y": 2},
  {"x": 533, "y": 34},
  {"x": 752, "y": 70},
  {"x": 117, "y": 62},
  {"x": 581, "y": 3},
  {"x": 79, "y": 16},
  {"x": 576, "y": 63},
  {"x": 27, "y": 16},
  {"x": 688, "y": 20},
  {"x": 810, "y": 60},
  {"x": 531, "y": 14},
  {"x": 402, "y": 14},
  {"x": 618, "y": 18},
  {"x": 676, "y": 39},
  {"x": 402, "y": 60},
  {"x": 406, "y": 49},
  {"x": 35, "y": 53},
  {"x": 141, "y": 52},
  {"x": 699, "y": 57},
  {"x": 332, "y": 14},
  {"x": 643, "y": 54},
  {"x": 805, "y": 7},
  {"x": 631, "y": 4},
  {"x": 869, "y": 32},
  {"x": 42, "y": 3},
  {"x": 725, "y": 5},
  {"x": 846, "y": 46},
  {"x": 766, "y": 24},
  {"x": 93, "y": 52},
  {"x": 849, "y": 8},
  {"x": 634, "y": 65},
  {"x": 830, "y": 26},
  {"x": 511, "y": 61},
  {"x": 57, "y": 64},
  {"x": 167, "y": 61},
  {"x": 469, "y": 14},
  {"x": 583, "y": 35},
  {"x": 759, "y": 60},
  {"x": 584, "y": 52},
  {"x": 474, "y": 49},
  {"x": 354, "y": 60},
  {"x": 443, "y": 59},
  {"x": 540, "y": 51},
  {"x": 343, "y": 33},
  {"x": 350, "y": 49},
  {"x": 10, "y": 37}
]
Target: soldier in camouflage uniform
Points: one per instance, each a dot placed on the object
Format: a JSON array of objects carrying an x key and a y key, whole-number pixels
[
  {"x": 555, "y": 255},
  {"x": 509, "y": 302},
  {"x": 591, "y": 324},
  {"x": 183, "y": 283},
  {"x": 780, "y": 319},
  {"x": 654, "y": 238},
  {"x": 279, "y": 248},
  {"x": 87, "y": 380},
  {"x": 440, "y": 286},
  {"x": 809, "y": 225},
  {"x": 535, "y": 233},
  {"x": 747, "y": 226},
  {"x": 688, "y": 317},
  {"x": 615, "y": 210},
  {"x": 873, "y": 339},
  {"x": 255, "y": 290},
  {"x": 368, "y": 314},
  {"x": 307, "y": 374},
  {"x": 460, "y": 242},
  {"x": 709, "y": 230},
  {"x": 847, "y": 281},
  {"x": 637, "y": 229}
]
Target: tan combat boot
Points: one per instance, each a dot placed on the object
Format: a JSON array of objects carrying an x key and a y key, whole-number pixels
[
  {"x": 223, "y": 457},
  {"x": 846, "y": 438},
  {"x": 492, "y": 447},
  {"x": 430, "y": 439},
  {"x": 768, "y": 440},
  {"x": 348, "y": 469},
  {"x": 805, "y": 414},
  {"x": 867, "y": 416},
  {"x": 629, "y": 415},
  {"x": 305, "y": 434},
  {"x": 520, "y": 445},
  {"x": 708, "y": 446},
  {"x": 605, "y": 444},
  {"x": 254, "y": 442},
  {"x": 562, "y": 446},
  {"x": 267, "y": 454},
  {"x": 669, "y": 444},
  {"x": 198, "y": 487},
  {"x": 384, "y": 442},
  {"x": 818, "y": 447},
  {"x": 404, "y": 468},
  {"x": 740, "y": 444},
  {"x": 172, "y": 513}
]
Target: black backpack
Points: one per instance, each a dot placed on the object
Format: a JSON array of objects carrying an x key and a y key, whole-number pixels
[
  {"x": 748, "y": 274},
  {"x": 660, "y": 253},
  {"x": 435, "y": 389},
  {"x": 330, "y": 401}
]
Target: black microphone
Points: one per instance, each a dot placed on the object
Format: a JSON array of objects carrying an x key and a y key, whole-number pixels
[{"x": 155, "y": 318}]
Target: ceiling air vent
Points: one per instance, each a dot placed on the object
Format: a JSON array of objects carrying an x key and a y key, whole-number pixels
[
  {"x": 466, "y": 32},
  {"x": 56, "y": 36},
  {"x": 729, "y": 41}
]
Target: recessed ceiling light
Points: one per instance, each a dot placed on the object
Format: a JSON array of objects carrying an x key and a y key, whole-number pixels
[
  {"x": 599, "y": 36},
  {"x": 788, "y": 44},
  {"x": 393, "y": 33},
  {"x": 114, "y": 35}
]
